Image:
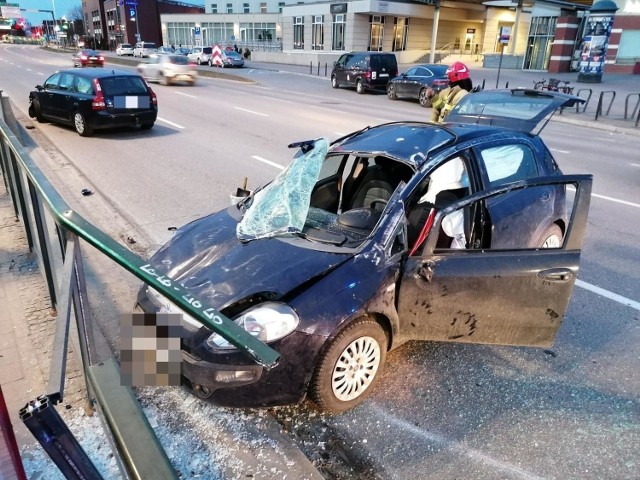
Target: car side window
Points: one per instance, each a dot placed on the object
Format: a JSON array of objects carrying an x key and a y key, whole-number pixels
[
  {"x": 508, "y": 163},
  {"x": 412, "y": 71},
  {"x": 424, "y": 72},
  {"x": 66, "y": 82},
  {"x": 52, "y": 82},
  {"x": 84, "y": 85}
]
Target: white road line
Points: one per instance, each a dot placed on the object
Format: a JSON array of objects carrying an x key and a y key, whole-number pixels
[
  {"x": 40, "y": 73},
  {"x": 185, "y": 94},
  {"x": 559, "y": 151},
  {"x": 28, "y": 69},
  {"x": 171, "y": 123},
  {"x": 268, "y": 162},
  {"x": 635, "y": 164},
  {"x": 251, "y": 111},
  {"x": 460, "y": 449},
  {"x": 610, "y": 295},
  {"x": 611, "y": 199}
]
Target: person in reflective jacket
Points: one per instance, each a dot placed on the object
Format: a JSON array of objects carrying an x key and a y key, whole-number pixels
[{"x": 459, "y": 85}]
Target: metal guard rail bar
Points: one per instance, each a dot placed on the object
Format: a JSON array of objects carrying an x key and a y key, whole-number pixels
[{"x": 179, "y": 295}]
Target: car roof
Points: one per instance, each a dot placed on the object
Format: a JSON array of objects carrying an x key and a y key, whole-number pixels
[
  {"x": 520, "y": 109},
  {"x": 99, "y": 72},
  {"x": 412, "y": 143}
]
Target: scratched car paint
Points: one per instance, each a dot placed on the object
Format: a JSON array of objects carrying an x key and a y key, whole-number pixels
[{"x": 462, "y": 232}]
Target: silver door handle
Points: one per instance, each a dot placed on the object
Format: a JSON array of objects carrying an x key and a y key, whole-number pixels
[{"x": 558, "y": 275}]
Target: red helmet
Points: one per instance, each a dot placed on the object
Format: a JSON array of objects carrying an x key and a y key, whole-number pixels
[{"x": 458, "y": 71}]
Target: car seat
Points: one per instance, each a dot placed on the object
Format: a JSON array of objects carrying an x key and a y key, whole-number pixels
[{"x": 377, "y": 183}]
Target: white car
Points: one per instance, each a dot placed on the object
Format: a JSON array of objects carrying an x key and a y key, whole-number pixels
[
  {"x": 144, "y": 49},
  {"x": 167, "y": 69},
  {"x": 124, "y": 49},
  {"x": 200, "y": 55}
]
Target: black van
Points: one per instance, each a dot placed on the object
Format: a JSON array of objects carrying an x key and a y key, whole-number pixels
[{"x": 364, "y": 70}]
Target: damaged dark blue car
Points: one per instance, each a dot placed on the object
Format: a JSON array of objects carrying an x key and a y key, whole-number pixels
[{"x": 461, "y": 232}]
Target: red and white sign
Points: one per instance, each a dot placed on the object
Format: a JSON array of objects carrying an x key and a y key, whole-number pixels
[{"x": 216, "y": 56}]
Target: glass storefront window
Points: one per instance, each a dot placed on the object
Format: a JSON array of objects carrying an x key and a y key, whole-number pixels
[
  {"x": 298, "y": 33},
  {"x": 338, "y": 32},
  {"x": 376, "y": 33},
  {"x": 317, "y": 33},
  {"x": 400, "y": 34}
]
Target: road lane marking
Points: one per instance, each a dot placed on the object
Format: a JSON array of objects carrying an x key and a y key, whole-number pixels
[
  {"x": 635, "y": 164},
  {"x": 185, "y": 94},
  {"x": 459, "y": 449},
  {"x": 559, "y": 151},
  {"x": 251, "y": 111},
  {"x": 610, "y": 295},
  {"x": 40, "y": 73},
  {"x": 171, "y": 123},
  {"x": 268, "y": 162},
  {"x": 604, "y": 197},
  {"x": 28, "y": 70}
]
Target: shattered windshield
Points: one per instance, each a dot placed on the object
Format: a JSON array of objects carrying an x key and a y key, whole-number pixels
[{"x": 282, "y": 206}]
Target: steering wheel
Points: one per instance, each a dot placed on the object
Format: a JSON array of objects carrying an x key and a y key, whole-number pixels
[{"x": 375, "y": 201}]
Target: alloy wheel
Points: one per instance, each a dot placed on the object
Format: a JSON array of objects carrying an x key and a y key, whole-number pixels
[{"x": 356, "y": 368}]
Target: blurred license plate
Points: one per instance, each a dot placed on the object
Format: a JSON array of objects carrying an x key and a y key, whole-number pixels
[
  {"x": 131, "y": 102},
  {"x": 93, "y": 58},
  {"x": 384, "y": 74}
]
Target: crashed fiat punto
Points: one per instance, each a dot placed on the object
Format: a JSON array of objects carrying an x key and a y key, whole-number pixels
[{"x": 459, "y": 232}]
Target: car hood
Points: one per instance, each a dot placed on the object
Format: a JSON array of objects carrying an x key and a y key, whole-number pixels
[{"x": 207, "y": 258}]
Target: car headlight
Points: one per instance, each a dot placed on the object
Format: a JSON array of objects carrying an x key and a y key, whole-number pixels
[{"x": 268, "y": 322}]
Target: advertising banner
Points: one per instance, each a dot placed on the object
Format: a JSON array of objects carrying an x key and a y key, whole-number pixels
[{"x": 595, "y": 44}]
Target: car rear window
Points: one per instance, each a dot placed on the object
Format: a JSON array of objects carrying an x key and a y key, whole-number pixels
[
  {"x": 148, "y": 45},
  {"x": 123, "y": 85},
  {"x": 207, "y": 50},
  {"x": 387, "y": 62},
  {"x": 125, "y": 45},
  {"x": 179, "y": 60}
]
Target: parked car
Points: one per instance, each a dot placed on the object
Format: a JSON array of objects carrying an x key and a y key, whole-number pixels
[
  {"x": 167, "y": 50},
  {"x": 461, "y": 232},
  {"x": 124, "y": 49},
  {"x": 182, "y": 51},
  {"x": 229, "y": 58},
  {"x": 167, "y": 69},
  {"x": 88, "y": 58},
  {"x": 144, "y": 49},
  {"x": 94, "y": 99},
  {"x": 200, "y": 55},
  {"x": 364, "y": 70},
  {"x": 415, "y": 81}
]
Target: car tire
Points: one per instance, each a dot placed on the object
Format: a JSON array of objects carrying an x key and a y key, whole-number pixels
[
  {"x": 551, "y": 238},
  {"x": 210, "y": 63},
  {"x": 391, "y": 92},
  {"x": 360, "y": 87},
  {"x": 222, "y": 64},
  {"x": 359, "y": 351},
  {"x": 334, "y": 82},
  {"x": 37, "y": 111},
  {"x": 146, "y": 126},
  {"x": 164, "y": 80},
  {"x": 199, "y": 62},
  {"x": 80, "y": 124},
  {"x": 424, "y": 100}
]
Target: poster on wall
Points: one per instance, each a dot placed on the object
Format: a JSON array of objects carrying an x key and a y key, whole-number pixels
[{"x": 595, "y": 43}]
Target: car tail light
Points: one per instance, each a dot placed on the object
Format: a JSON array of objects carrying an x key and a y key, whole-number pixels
[
  {"x": 367, "y": 74},
  {"x": 154, "y": 99},
  {"x": 98, "y": 100},
  {"x": 101, "y": 58},
  {"x": 83, "y": 57},
  {"x": 440, "y": 83}
]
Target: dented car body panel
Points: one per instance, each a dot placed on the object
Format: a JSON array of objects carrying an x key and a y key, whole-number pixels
[{"x": 393, "y": 258}]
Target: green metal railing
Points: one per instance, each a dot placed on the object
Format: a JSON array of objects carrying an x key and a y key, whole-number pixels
[{"x": 35, "y": 201}]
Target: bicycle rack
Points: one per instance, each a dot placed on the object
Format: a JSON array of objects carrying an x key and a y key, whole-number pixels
[
  {"x": 584, "y": 107},
  {"x": 600, "y": 99},
  {"x": 626, "y": 105}
]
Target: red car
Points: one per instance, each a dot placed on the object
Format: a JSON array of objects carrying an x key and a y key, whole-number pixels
[{"x": 88, "y": 58}]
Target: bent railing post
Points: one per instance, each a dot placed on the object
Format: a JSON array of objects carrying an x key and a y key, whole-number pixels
[
  {"x": 600, "y": 101},
  {"x": 586, "y": 102},
  {"x": 626, "y": 105}
]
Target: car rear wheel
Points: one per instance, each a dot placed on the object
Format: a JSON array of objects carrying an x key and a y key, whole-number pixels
[
  {"x": 423, "y": 98},
  {"x": 348, "y": 369},
  {"x": 334, "y": 82},
  {"x": 210, "y": 63},
  {"x": 80, "y": 124},
  {"x": 360, "y": 87},
  {"x": 552, "y": 237},
  {"x": 391, "y": 92}
]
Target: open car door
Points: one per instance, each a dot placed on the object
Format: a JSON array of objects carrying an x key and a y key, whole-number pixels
[
  {"x": 519, "y": 109},
  {"x": 512, "y": 297}
]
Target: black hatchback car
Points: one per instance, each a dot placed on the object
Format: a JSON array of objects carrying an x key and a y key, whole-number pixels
[
  {"x": 95, "y": 99},
  {"x": 403, "y": 231}
]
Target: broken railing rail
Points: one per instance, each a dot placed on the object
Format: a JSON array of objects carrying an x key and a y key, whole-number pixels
[{"x": 35, "y": 201}]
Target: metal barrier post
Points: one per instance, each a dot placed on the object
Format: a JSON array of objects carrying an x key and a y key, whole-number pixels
[
  {"x": 325, "y": 68},
  {"x": 318, "y": 69},
  {"x": 626, "y": 105},
  {"x": 586, "y": 102},
  {"x": 310, "y": 68},
  {"x": 18, "y": 187},
  {"x": 600, "y": 100}
]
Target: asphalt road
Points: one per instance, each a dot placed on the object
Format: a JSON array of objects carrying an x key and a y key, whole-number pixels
[{"x": 442, "y": 411}]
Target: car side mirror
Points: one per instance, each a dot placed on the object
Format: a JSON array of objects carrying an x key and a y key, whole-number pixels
[
  {"x": 336, "y": 64},
  {"x": 39, "y": 88}
]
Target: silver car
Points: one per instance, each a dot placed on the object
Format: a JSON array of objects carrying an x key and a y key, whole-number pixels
[
  {"x": 200, "y": 55},
  {"x": 231, "y": 58},
  {"x": 124, "y": 49},
  {"x": 167, "y": 69}
]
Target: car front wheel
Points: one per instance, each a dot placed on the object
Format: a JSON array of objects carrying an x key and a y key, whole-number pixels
[
  {"x": 349, "y": 368},
  {"x": 334, "y": 82},
  {"x": 424, "y": 99},
  {"x": 552, "y": 237},
  {"x": 360, "y": 87},
  {"x": 37, "y": 111},
  {"x": 391, "y": 92},
  {"x": 80, "y": 124},
  {"x": 210, "y": 63}
]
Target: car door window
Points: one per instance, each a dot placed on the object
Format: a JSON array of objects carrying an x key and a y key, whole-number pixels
[
  {"x": 411, "y": 72},
  {"x": 84, "y": 85},
  {"x": 66, "y": 82},
  {"x": 424, "y": 72},
  {"x": 508, "y": 163},
  {"x": 52, "y": 82}
]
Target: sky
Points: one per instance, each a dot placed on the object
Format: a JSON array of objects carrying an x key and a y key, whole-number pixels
[{"x": 61, "y": 8}]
